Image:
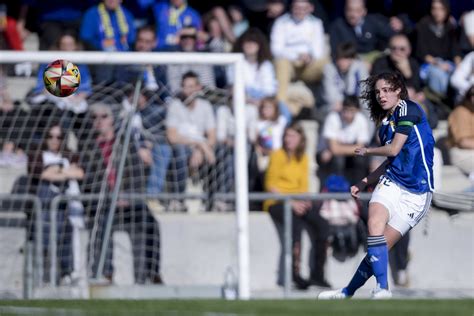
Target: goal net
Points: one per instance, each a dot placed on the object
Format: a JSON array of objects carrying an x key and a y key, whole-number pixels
[{"x": 98, "y": 187}]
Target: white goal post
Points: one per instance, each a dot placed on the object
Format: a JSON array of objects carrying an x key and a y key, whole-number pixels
[{"x": 155, "y": 58}]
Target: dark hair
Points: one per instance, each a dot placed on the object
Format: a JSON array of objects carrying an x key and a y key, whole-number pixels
[
  {"x": 190, "y": 74},
  {"x": 351, "y": 101},
  {"x": 446, "y": 5},
  {"x": 466, "y": 100},
  {"x": 70, "y": 33},
  {"x": 47, "y": 130},
  {"x": 300, "y": 150},
  {"x": 274, "y": 102},
  {"x": 396, "y": 81},
  {"x": 147, "y": 28},
  {"x": 254, "y": 35},
  {"x": 346, "y": 50}
]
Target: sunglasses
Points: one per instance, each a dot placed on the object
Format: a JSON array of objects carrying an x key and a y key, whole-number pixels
[
  {"x": 188, "y": 36},
  {"x": 400, "y": 48},
  {"x": 60, "y": 137},
  {"x": 100, "y": 116}
]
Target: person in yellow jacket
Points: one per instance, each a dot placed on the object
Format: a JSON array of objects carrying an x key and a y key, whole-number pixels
[{"x": 288, "y": 172}]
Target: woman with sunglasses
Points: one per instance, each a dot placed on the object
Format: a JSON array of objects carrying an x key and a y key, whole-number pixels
[
  {"x": 403, "y": 194},
  {"x": 54, "y": 171}
]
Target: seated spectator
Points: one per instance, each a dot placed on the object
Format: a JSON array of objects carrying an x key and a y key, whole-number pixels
[
  {"x": 53, "y": 18},
  {"x": 258, "y": 71},
  {"x": 461, "y": 135},
  {"x": 9, "y": 36},
  {"x": 14, "y": 137},
  {"x": 107, "y": 27},
  {"x": 298, "y": 44},
  {"x": 399, "y": 59},
  {"x": 214, "y": 36},
  {"x": 12, "y": 117},
  {"x": 191, "y": 130},
  {"x": 170, "y": 18},
  {"x": 463, "y": 77},
  {"x": 342, "y": 133},
  {"x": 240, "y": 24},
  {"x": 269, "y": 128},
  {"x": 225, "y": 135},
  {"x": 368, "y": 32},
  {"x": 149, "y": 121},
  {"x": 132, "y": 215},
  {"x": 153, "y": 76},
  {"x": 53, "y": 172},
  {"x": 288, "y": 173},
  {"x": 174, "y": 72},
  {"x": 343, "y": 76},
  {"x": 75, "y": 103},
  {"x": 436, "y": 47}
]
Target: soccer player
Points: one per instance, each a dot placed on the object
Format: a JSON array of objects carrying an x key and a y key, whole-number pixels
[{"x": 403, "y": 194}]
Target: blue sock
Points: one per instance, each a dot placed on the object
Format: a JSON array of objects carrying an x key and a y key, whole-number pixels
[
  {"x": 363, "y": 273},
  {"x": 377, "y": 252}
]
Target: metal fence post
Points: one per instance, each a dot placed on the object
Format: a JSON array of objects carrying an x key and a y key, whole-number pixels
[
  {"x": 38, "y": 253},
  {"x": 53, "y": 247},
  {"x": 287, "y": 232}
]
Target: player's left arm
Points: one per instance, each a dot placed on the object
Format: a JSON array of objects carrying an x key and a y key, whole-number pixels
[{"x": 407, "y": 119}]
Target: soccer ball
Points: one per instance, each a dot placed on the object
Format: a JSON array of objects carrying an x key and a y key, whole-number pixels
[{"x": 61, "y": 78}]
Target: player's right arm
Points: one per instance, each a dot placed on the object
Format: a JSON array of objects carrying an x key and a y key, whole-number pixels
[{"x": 373, "y": 177}]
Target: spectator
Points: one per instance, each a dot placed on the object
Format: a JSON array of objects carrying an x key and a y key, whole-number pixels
[
  {"x": 463, "y": 77},
  {"x": 150, "y": 121},
  {"x": 399, "y": 59},
  {"x": 288, "y": 173},
  {"x": 207, "y": 73},
  {"x": 9, "y": 36},
  {"x": 368, "y": 32},
  {"x": 342, "y": 77},
  {"x": 76, "y": 103},
  {"x": 214, "y": 36},
  {"x": 259, "y": 73},
  {"x": 101, "y": 166},
  {"x": 225, "y": 133},
  {"x": 436, "y": 47},
  {"x": 240, "y": 24},
  {"x": 53, "y": 172},
  {"x": 12, "y": 117},
  {"x": 53, "y": 18},
  {"x": 170, "y": 18},
  {"x": 153, "y": 76},
  {"x": 342, "y": 133},
  {"x": 270, "y": 127},
  {"x": 191, "y": 130},
  {"x": 298, "y": 45},
  {"x": 108, "y": 27},
  {"x": 461, "y": 135}
]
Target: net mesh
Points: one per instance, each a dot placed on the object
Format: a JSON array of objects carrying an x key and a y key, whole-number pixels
[{"x": 105, "y": 151}]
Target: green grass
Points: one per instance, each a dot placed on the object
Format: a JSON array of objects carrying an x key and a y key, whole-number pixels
[{"x": 238, "y": 308}]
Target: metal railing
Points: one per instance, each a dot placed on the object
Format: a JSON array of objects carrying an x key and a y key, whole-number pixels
[
  {"x": 33, "y": 275},
  {"x": 286, "y": 198},
  {"x": 33, "y": 254}
]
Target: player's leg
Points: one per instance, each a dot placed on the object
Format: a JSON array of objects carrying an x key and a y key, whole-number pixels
[{"x": 363, "y": 272}]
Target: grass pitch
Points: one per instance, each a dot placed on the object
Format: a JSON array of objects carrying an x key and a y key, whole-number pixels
[{"x": 237, "y": 308}]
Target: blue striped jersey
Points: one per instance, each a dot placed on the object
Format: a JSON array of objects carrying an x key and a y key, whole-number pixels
[{"x": 412, "y": 168}]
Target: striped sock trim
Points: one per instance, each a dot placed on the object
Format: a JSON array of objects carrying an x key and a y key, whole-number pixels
[{"x": 376, "y": 241}]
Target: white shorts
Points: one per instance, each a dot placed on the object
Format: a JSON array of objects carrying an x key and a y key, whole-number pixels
[{"x": 406, "y": 209}]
